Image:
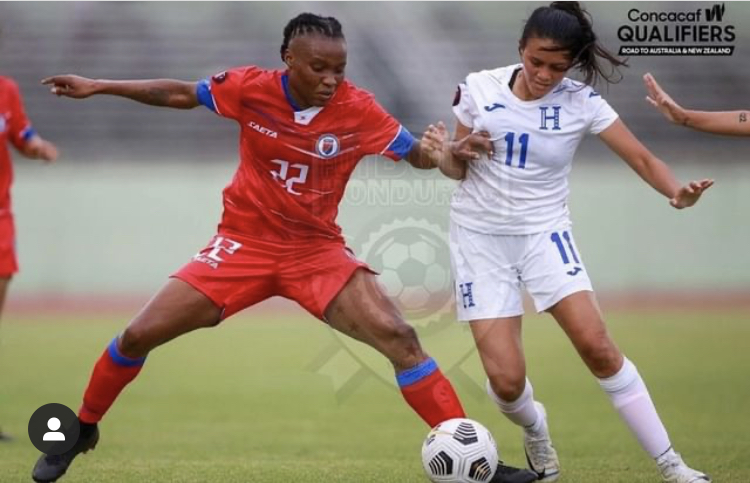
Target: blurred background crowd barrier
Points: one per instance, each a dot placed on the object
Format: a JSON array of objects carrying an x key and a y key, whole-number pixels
[{"x": 137, "y": 190}]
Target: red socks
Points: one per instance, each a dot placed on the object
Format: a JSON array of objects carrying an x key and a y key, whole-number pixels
[
  {"x": 111, "y": 374},
  {"x": 424, "y": 388},
  {"x": 429, "y": 393}
]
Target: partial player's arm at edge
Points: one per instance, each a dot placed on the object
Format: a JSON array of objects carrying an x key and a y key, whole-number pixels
[
  {"x": 650, "y": 168},
  {"x": 731, "y": 123},
  {"x": 154, "y": 92}
]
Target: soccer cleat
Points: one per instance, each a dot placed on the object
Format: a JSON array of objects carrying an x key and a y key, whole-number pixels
[
  {"x": 49, "y": 468},
  {"x": 509, "y": 474},
  {"x": 674, "y": 470},
  {"x": 540, "y": 454}
]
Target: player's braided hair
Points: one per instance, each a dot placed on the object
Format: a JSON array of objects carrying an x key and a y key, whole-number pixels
[
  {"x": 571, "y": 28},
  {"x": 308, "y": 23}
]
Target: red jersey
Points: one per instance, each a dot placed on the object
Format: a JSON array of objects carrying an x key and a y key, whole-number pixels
[
  {"x": 295, "y": 164},
  {"x": 14, "y": 127}
]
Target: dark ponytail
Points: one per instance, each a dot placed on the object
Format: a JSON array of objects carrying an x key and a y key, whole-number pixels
[
  {"x": 308, "y": 23},
  {"x": 570, "y": 27}
]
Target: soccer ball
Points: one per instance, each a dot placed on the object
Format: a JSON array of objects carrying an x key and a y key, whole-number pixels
[{"x": 459, "y": 451}]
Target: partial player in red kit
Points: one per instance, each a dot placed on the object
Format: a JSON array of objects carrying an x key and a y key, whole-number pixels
[
  {"x": 16, "y": 129},
  {"x": 303, "y": 130}
]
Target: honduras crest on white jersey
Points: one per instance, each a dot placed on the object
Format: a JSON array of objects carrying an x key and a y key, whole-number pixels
[{"x": 523, "y": 189}]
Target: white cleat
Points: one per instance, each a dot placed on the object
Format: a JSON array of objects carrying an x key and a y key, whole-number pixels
[
  {"x": 540, "y": 454},
  {"x": 674, "y": 470}
]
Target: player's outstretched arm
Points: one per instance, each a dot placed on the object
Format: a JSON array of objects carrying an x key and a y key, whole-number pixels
[
  {"x": 653, "y": 170},
  {"x": 39, "y": 148},
  {"x": 733, "y": 123},
  {"x": 451, "y": 156},
  {"x": 154, "y": 92}
]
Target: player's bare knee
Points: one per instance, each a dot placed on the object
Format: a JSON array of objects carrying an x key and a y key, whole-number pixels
[
  {"x": 134, "y": 342},
  {"x": 508, "y": 387},
  {"x": 602, "y": 357}
]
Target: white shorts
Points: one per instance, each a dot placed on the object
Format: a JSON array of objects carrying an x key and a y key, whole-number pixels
[{"x": 490, "y": 270}]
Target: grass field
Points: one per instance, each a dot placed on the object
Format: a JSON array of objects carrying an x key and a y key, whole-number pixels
[{"x": 281, "y": 399}]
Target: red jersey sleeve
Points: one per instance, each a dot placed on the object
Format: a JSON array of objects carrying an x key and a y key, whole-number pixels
[
  {"x": 222, "y": 93},
  {"x": 384, "y": 135},
  {"x": 19, "y": 127}
]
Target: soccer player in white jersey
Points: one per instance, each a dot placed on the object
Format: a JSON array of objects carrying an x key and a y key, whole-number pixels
[
  {"x": 731, "y": 123},
  {"x": 510, "y": 225}
]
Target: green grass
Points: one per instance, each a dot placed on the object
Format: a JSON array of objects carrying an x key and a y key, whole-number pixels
[{"x": 279, "y": 399}]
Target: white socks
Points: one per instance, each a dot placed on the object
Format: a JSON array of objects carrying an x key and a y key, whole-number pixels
[
  {"x": 631, "y": 399},
  {"x": 522, "y": 411}
]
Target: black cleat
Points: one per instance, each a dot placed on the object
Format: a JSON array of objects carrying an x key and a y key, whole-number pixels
[
  {"x": 510, "y": 474},
  {"x": 49, "y": 468}
]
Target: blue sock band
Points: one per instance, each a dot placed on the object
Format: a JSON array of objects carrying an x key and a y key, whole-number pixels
[
  {"x": 120, "y": 359},
  {"x": 417, "y": 373}
]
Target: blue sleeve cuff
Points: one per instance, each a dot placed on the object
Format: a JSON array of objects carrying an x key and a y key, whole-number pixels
[
  {"x": 417, "y": 373},
  {"x": 203, "y": 91},
  {"x": 120, "y": 359},
  {"x": 28, "y": 133},
  {"x": 401, "y": 144}
]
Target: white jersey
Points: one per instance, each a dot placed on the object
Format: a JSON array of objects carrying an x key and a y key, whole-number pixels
[{"x": 523, "y": 189}]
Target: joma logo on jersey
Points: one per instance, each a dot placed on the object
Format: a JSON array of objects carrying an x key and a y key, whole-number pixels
[
  {"x": 263, "y": 130},
  {"x": 547, "y": 116},
  {"x": 327, "y": 146},
  {"x": 494, "y": 107}
]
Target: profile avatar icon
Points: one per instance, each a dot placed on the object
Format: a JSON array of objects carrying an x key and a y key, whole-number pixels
[
  {"x": 54, "y": 435},
  {"x": 54, "y": 429}
]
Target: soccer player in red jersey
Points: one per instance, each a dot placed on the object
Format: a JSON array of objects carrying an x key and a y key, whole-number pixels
[
  {"x": 303, "y": 131},
  {"x": 16, "y": 129}
]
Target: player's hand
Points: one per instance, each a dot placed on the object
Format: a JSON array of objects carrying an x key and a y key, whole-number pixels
[
  {"x": 663, "y": 102},
  {"x": 689, "y": 194},
  {"x": 434, "y": 139},
  {"x": 73, "y": 86},
  {"x": 39, "y": 148},
  {"x": 472, "y": 146}
]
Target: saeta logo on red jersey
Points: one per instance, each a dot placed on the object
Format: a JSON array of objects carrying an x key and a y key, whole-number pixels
[
  {"x": 263, "y": 130},
  {"x": 327, "y": 146}
]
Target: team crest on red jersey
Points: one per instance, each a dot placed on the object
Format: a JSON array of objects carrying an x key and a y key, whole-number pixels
[{"x": 327, "y": 146}]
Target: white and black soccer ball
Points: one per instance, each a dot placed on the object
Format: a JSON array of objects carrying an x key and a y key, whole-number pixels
[{"x": 459, "y": 451}]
